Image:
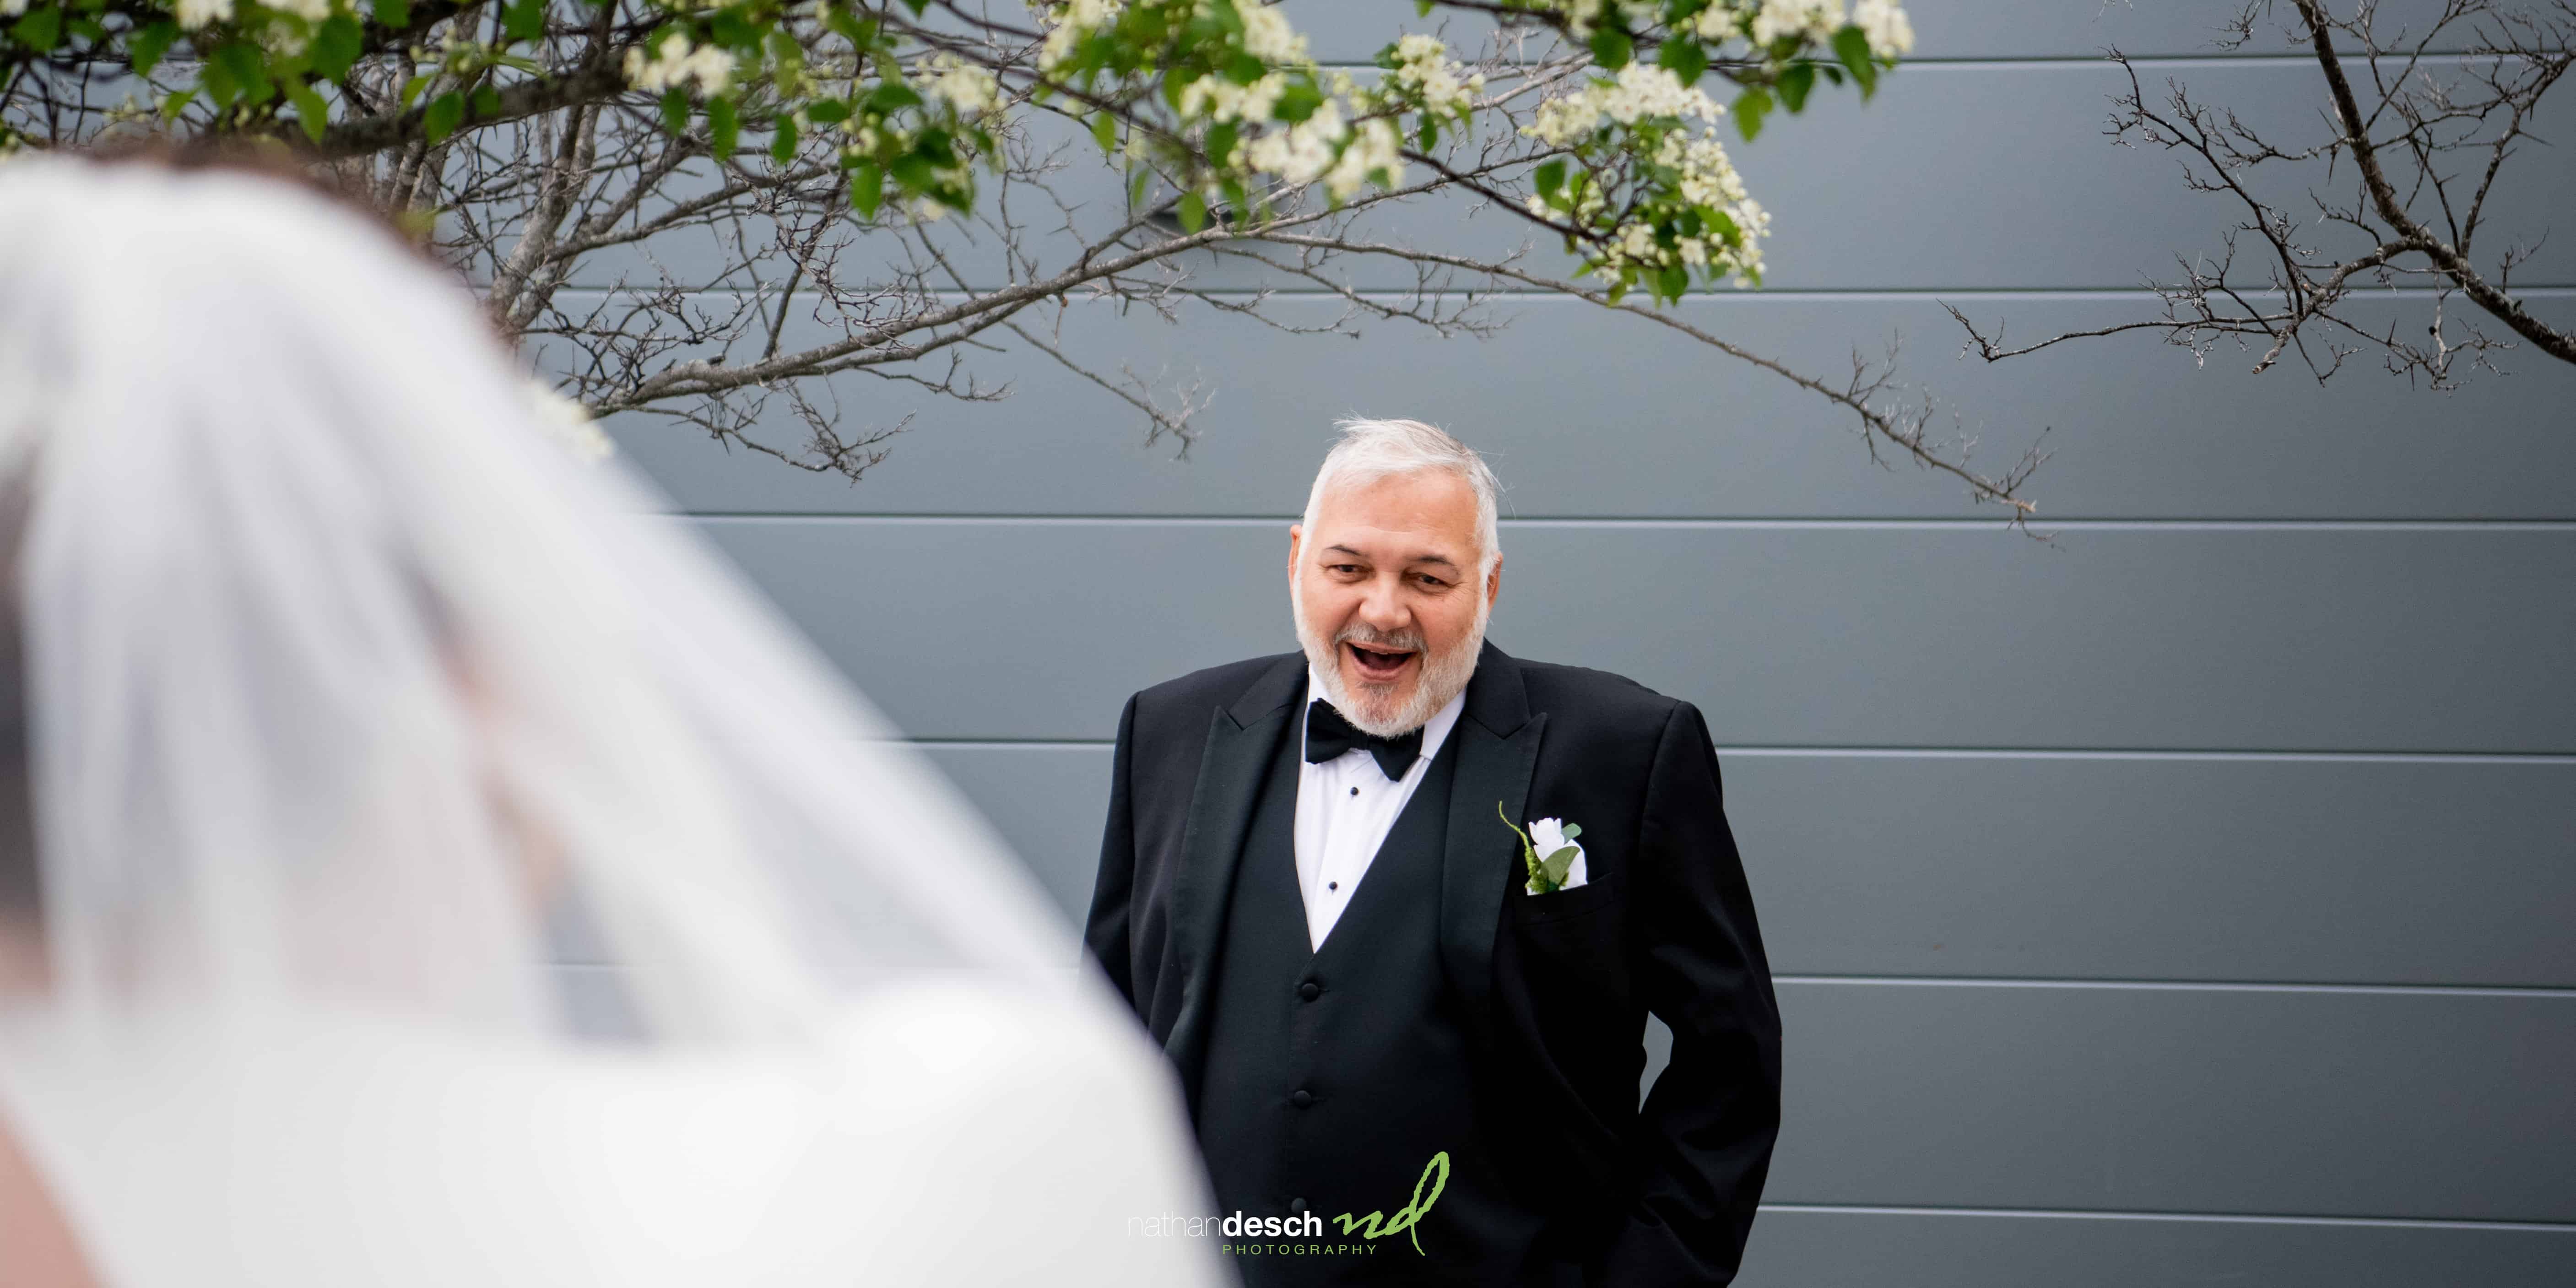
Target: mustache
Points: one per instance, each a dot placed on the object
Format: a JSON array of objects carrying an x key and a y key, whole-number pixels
[{"x": 1368, "y": 636}]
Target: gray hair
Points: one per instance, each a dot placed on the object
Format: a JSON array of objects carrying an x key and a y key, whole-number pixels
[{"x": 1375, "y": 449}]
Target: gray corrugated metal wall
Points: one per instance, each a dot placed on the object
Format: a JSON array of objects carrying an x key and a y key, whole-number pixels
[{"x": 2189, "y": 901}]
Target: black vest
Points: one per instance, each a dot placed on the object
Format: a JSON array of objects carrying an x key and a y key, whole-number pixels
[{"x": 1333, "y": 1075}]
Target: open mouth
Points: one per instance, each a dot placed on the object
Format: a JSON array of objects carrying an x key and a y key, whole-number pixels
[{"x": 1378, "y": 664}]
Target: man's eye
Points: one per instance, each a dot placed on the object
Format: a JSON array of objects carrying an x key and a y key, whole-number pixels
[{"x": 1429, "y": 580}]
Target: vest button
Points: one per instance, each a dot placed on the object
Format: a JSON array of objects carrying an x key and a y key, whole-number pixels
[
  {"x": 1302, "y": 1098},
  {"x": 1310, "y": 990}
]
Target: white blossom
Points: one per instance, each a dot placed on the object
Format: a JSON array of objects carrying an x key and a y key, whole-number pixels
[
  {"x": 1642, "y": 90},
  {"x": 1891, "y": 34},
  {"x": 1376, "y": 148},
  {"x": 1423, "y": 66},
  {"x": 12, "y": 8},
  {"x": 1301, "y": 153},
  {"x": 1074, "y": 21},
  {"x": 194, "y": 14},
  {"x": 1220, "y": 99},
  {"x": 968, "y": 88},
  {"x": 309, "y": 10},
  {"x": 1814, "y": 20},
  {"x": 679, "y": 63},
  {"x": 1268, "y": 37},
  {"x": 1547, "y": 836}
]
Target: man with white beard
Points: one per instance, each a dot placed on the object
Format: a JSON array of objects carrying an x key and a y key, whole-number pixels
[{"x": 1398, "y": 905}]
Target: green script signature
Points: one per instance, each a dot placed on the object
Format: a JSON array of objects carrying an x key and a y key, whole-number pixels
[{"x": 1375, "y": 1225}]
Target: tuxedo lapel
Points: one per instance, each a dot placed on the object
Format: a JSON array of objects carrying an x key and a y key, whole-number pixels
[
  {"x": 1498, "y": 742},
  {"x": 1241, "y": 740}
]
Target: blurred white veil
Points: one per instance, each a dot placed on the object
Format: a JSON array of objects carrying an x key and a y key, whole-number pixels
[{"x": 343, "y": 679}]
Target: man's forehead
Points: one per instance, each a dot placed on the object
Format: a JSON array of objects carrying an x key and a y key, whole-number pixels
[{"x": 1429, "y": 505}]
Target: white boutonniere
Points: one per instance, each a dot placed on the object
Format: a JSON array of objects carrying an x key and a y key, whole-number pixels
[{"x": 1555, "y": 862}]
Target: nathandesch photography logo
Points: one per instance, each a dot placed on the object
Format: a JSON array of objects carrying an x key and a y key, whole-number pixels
[{"x": 1303, "y": 1234}]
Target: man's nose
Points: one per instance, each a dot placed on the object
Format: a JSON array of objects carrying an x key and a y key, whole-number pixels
[{"x": 1384, "y": 609}]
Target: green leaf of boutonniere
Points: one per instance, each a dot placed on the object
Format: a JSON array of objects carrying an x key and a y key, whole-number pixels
[
  {"x": 1545, "y": 875},
  {"x": 1559, "y": 863}
]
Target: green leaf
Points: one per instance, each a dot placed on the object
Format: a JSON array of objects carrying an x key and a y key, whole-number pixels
[
  {"x": 1104, "y": 131},
  {"x": 675, "y": 111},
  {"x": 1612, "y": 48},
  {"x": 1422, "y": 8},
  {"x": 524, "y": 19},
  {"x": 867, "y": 189},
  {"x": 177, "y": 102},
  {"x": 1749, "y": 109},
  {"x": 446, "y": 112},
  {"x": 149, "y": 44},
  {"x": 913, "y": 172},
  {"x": 1550, "y": 177},
  {"x": 1852, "y": 47},
  {"x": 39, "y": 29},
  {"x": 336, "y": 47},
  {"x": 782, "y": 140},
  {"x": 1670, "y": 283},
  {"x": 242, "y": 65},
  {"x": 726, "y": 28},
  {"x": 1220, "y": 141},
  {"x": 395, "y": 14},
  {"x": 1685, "y": 56},
  {"x": 1572, "y": 830},
  {"x": 1297, "y": 102},
  {"x": 1795, "y": 83},
  {"x": 1193, "y": 212},
  {"x": 486, "y": 101},
  {"x": 310, "y": 111},
  {"x": 724, "y": 125},
  {"x": 846, "y": 23},
  {"x": 827, "y": 111},
  {"x": 1558, "y": 864},
  {"x": 1243, "y": 69},
  {"x": 892, "y": 96}
]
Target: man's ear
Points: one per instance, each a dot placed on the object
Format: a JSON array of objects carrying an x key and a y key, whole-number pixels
[
  {"x": 1494, "y": 583},
  {"x": 1296, "y": 535}
]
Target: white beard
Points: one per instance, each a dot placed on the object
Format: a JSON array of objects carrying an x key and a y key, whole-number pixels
[{"x": 1375, "y": 709}]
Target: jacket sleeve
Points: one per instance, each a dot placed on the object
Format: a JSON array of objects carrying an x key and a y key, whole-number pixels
[
  {"x": 1105, "y": 930},
  {"x": 1704, "y": 1136}
]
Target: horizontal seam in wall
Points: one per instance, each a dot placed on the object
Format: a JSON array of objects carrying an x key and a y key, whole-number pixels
[
  {"x": 1826, "y": 751},
  {"x": 2052, "y": 62},
  {"x": 1862, "y": 294},
  {"x": 2516, "y": 991},
  {"x": 2235, "y": 1218},
  {"x": 1779, "y": 524}
]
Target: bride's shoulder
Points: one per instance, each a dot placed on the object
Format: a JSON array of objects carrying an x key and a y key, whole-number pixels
[{"x": 398, "y": 1156}]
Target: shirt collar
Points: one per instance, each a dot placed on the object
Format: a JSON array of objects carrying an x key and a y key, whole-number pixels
[{"x": 1435, "y": 731}]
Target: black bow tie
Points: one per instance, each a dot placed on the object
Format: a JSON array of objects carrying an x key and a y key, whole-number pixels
[{"x": 1329, "y": 735}]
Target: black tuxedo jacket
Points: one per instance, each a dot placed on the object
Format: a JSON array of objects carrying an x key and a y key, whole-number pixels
[{"x": 1557, "y": 985}]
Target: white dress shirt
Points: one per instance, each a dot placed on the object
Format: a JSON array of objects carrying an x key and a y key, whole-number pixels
[{"x": 1345, "y": 808}]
